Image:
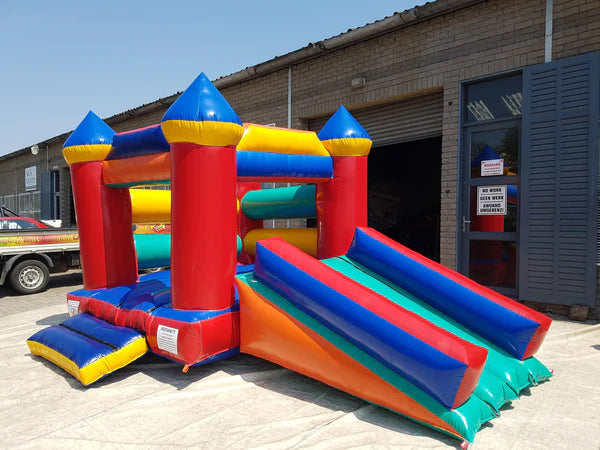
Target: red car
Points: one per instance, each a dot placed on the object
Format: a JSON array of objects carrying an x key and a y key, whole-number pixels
[{"x": 20, "y": 223}]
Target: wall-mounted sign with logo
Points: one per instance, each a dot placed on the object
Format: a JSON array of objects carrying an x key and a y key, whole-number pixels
[
  {"x": 492, "y": 167},
  {"x": 491, "y": 200},
  {"x": 30, "y": 178}
]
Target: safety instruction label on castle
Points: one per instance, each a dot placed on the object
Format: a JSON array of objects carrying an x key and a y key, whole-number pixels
[
  {"x": 491, "y": 200},
  {"x": 166, "y": 338},
  {"x": 72, "y": 307}
]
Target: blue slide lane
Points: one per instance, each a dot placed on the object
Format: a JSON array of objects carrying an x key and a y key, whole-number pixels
[
  {"x": 505, "y": 328},
  {"x": 433, "y": 371}
]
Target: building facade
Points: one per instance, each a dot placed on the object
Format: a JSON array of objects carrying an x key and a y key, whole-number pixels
[{"x": 484, "y": 120}]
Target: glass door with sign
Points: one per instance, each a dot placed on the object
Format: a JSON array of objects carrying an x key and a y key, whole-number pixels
[{"x": 489, "y": 196}]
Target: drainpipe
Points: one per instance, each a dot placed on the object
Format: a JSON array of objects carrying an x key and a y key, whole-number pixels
[
  {"x": 289, "y": 115},
  {"x": 548, "y": 38},
  {"x": 289, "y": 98}
]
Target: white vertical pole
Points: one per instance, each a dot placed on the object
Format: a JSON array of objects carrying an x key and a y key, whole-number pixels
[
  {"x": 289, "y": 111},
  {"x": 289, "y": 98},
  {"x": 548, "y": 37}
]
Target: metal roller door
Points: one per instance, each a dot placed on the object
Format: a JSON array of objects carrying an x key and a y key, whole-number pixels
[{"x": 393, "y": 123}]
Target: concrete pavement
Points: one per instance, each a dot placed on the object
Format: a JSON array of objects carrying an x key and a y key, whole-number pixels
[
  {"x": 59, "y": 285},
  {"x": 245, "y": 402}
]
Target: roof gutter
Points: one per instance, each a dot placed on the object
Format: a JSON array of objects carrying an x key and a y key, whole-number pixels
[{"x": 314, "y": 49}]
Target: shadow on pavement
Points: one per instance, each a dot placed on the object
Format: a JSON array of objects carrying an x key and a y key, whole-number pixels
[
  {"x": 53, "y": 320},
  {"x": 71, "y": 278}
]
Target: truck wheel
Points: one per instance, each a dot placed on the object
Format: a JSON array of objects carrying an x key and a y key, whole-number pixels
[{"x": 29, "y": 277}]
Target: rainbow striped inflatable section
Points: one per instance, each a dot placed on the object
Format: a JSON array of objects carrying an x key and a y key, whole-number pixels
[{"x": 393, "y": 328}]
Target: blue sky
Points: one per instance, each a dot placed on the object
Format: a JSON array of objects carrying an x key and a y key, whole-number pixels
[{"x": 61, "y": 58}]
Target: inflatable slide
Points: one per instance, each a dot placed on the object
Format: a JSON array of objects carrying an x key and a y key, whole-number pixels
[
  {"x": 392, "y": 328},
  {"x": 340, "y": 302}
]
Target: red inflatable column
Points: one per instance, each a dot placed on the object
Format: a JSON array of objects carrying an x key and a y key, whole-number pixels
[
  {"x": 107, "y": 249},
  {"x": 342, "y": 202},
  {"x": 341, "y": 205},
  {"x": 203, "y": 130},
  {"x": 203, "y": 226}
]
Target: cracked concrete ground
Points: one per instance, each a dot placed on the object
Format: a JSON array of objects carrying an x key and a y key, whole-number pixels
[{"x": 245, "y": 402}]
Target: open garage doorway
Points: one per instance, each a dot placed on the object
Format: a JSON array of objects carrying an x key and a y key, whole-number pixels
[{"x": 404, "y": 193}]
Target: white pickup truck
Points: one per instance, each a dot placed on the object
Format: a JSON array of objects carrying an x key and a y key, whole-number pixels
[{"x": 30, "y": 250}]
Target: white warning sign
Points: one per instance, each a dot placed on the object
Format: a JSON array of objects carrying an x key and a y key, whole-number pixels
[
  {"x": 166, "y": 338},
  {"x": 72, "y": 307},
  {"x": 491, "y": 200},
  {"x": 492, "y": 167}
]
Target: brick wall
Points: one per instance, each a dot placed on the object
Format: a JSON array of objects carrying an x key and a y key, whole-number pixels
[
  {"x": 12, "y": 174},
  {"x": 262, "y": 100},
  {"x": 131, "y": 122},
  {"x": 576, "y": 27},
  {"x": 487, "y": 38}
]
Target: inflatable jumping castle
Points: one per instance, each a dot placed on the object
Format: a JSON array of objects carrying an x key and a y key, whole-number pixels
[{"x": 340, "y": 303}]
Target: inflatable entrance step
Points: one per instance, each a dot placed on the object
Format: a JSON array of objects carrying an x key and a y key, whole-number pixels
[{"x": 87, "y": 347}]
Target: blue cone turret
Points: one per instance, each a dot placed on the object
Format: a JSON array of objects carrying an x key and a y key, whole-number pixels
[
  {"x": 201, "y": 115},
  {"x": 90, "y": 141},
  {"x": 342, "y": 135}
]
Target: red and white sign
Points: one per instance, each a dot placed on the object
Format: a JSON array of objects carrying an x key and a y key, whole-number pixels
[{"x": 492, "y": 167}]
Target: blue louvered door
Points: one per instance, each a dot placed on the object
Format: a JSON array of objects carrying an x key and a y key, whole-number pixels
[
  {"x": 559, "y": 171},
  {"x": 46, "y": 196}
]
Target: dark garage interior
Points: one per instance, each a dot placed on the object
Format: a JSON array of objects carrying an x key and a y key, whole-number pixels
[{"x": 404, "y": 193}]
